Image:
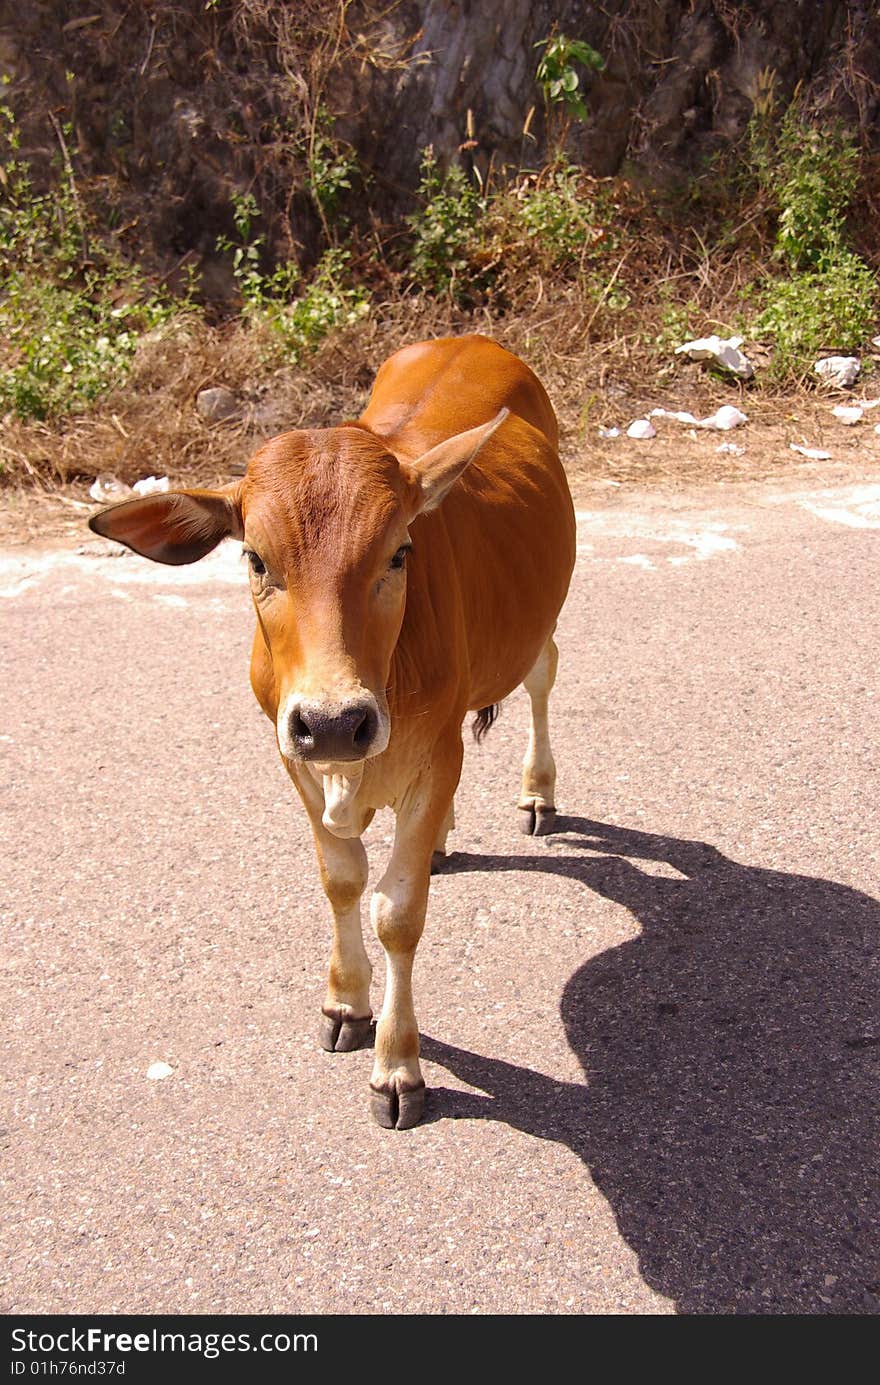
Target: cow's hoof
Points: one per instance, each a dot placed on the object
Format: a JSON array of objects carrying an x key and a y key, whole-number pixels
[
  {"x": 396, "y": 1107},
  {"x": 536, "y": 820},
  {"x": 340, "y": 1035}
]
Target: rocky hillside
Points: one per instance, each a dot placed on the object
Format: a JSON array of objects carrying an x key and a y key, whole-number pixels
[{"x": 173, "y": 107}]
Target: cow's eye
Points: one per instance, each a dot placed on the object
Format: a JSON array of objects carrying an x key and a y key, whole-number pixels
[
  {"x": 399, "y": 559},
  {"x": 257, "y": 566}
]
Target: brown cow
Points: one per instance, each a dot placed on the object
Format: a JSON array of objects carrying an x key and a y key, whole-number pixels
[{"x": 404, "y": 569}]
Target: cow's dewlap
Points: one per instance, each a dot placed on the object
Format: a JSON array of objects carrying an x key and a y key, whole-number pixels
[{"x": 340, "y": 793}]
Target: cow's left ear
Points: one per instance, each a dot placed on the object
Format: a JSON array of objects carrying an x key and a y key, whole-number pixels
[
  {"x": 437, "y": 471},
  {"x": 174, "y": 526}
]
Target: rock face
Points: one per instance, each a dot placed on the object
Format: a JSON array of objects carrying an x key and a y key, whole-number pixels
[{"x": 175, "y": 106}]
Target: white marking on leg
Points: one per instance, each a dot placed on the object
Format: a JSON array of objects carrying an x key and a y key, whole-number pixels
[{"x": 539, "y": 767}]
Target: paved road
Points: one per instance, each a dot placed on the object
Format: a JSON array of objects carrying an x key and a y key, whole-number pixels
[{"x": 652, "y": 1041}]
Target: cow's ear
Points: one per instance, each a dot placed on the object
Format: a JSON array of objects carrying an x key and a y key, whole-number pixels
[
  {"x": 173, "y": 526},
  {"x": 438, "y": 470}
]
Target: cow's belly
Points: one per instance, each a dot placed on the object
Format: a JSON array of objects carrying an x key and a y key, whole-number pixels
[{"x": 513, "y": 598}]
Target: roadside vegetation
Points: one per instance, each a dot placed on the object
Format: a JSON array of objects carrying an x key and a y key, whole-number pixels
[{"x": 594, "y": 279}]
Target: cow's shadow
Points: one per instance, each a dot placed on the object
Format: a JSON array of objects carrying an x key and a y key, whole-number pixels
[{"x": 732, "y": 1057}]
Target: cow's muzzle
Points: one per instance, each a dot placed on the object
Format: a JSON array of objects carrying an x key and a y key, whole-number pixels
[{"x": 330, "y": 733}]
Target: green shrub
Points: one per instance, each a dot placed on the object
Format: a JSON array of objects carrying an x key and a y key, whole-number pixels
[
  {"x": 557, "y": 74},
  {"x": 71, "y": 314},
  {"x": 257, "y": 288},
  {"x": 331, "y": 301},
  {"x": 815, "y": 310},
  {"x": 67, "y": 345},
  {"x": 809, "y": 176},
  {"x": 445, "y": 229},
  {"x": 555, "y": 218},
  {"x": 332, "y": 168}
]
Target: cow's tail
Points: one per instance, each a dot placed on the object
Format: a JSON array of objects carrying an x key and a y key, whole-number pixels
[{"x": 484, "y": 719}]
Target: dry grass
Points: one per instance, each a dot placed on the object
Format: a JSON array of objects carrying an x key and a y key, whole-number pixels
[
  {"x": 602, "y": 365},
  {"x": 151, "y": 426}
]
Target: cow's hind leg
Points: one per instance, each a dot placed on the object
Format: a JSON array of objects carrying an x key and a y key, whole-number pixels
[
  {"x": 537, "y": 804},
  {"x": 438, "y": 856},
  {"x": 346, "y": 1014}
]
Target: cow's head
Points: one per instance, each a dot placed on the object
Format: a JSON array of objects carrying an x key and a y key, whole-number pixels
[{"x": 324, "y": 521}]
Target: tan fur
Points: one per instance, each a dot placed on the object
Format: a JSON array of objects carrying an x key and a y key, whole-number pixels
[{"x": 455, "y": 452}]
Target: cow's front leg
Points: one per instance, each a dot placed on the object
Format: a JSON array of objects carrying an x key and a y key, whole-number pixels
[
  {"x": 346, "y": 1013},
  {"x": 342, "y": 862},
  {"x": 398, "y": 911}
]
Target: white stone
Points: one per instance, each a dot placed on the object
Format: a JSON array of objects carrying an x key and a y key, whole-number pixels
[
  {"x": 642, "y": 428},
  {"x": 725, "y": 418},
  {"x": 815, "y": 454},
  {"x": 152, "y": 485},
  {"x": 157, "y": 1071}
]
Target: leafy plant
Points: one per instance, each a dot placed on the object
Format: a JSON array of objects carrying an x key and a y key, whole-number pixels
[
  {"x": 69, "y": 325},
  {"x": 445, "y": 229},
  {"x": 673, "y": 326},
  {"x": 256, "y": 287},
  {"x": 331, "y": 301},
  {"x": 331, "y": 169},
  {"x": 813, "y": 310},
  {"x": 809, "y": 175},
  {"x": 556, "y": 219},
  {"x": 557, "y": 75}
]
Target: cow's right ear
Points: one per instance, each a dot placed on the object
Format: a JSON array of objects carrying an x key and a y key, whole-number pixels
[{"x": 173, "y": 526}]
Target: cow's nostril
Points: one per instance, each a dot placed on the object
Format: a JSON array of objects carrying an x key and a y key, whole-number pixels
[
  {"x": 341, "y": 735},
  {"x": 300, "y": 729},
  {"x": 363, "y": 732}
]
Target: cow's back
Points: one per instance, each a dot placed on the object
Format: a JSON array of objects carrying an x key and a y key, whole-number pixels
[{"x": 426, "y": 392}]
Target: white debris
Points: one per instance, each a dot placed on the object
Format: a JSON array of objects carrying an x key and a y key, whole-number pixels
[
  {"x": 151, "y": 485},
  {"x": 680, "y": 416},
  {"x": 848, "y": 414},
  {"x": 156, "y": 1071},
  {"x": 816, "y": 454},
  {"x": 735, "y": 449},
  {"x": 721, "y": 351},
  {"x": 875, "y": 341},
  {"x": 606, "y": 434},
  {"x": 877, "y": 427},
  {"x": 725, "y": 418},
  {"x": 641, "y": 428},
  {"x": 838, "y": 370},
  {"x": 108, "y": 488}
]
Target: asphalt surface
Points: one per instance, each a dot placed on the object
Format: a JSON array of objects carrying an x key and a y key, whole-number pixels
[{"x": 652, "y": 1041}]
